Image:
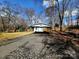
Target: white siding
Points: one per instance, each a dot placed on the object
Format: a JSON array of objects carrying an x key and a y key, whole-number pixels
[{"x": 38, "y": 29}]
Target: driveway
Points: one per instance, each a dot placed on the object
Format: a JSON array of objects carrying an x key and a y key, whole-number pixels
[
  {"x": 34, "y": 46},
  {"x": 32, "y": 41}
]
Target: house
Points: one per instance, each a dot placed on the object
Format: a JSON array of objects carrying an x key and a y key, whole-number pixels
[{"x": 41, "y": 27}]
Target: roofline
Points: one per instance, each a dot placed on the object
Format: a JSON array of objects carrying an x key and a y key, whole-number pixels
[{"x": 42, "y": 26}]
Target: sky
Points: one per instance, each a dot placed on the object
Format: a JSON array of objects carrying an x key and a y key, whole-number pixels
[{"x": 35, "y": 4}]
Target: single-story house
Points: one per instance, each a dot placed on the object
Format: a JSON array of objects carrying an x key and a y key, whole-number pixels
[{"x": 41, "y": 27}]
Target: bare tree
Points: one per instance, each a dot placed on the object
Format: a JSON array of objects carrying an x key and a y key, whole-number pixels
[
  {"x": 50, "y": 13},
  {"x": 11, "y": 16},
  {"x": 61, "y": 8},
  {"x": 77, "y": 6},
  {"x": 30, "y": 13},
  {"x": 3, "y": 25}
]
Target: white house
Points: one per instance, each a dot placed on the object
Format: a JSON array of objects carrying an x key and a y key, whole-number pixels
[{"x": 41, "y": 27}]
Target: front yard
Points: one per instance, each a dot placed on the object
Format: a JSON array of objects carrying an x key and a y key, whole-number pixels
[{"x": 4, "y": 37}]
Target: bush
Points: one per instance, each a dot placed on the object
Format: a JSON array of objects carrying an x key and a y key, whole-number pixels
[
  {"x": 74, "y": 27},
  {"x": 21, "y": 28}
]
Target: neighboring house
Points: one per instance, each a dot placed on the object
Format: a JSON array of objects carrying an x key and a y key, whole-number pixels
[{"x": 41, "y": 27}]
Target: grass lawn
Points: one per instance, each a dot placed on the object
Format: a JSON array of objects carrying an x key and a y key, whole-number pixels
[{"x": 4, "y": 37}]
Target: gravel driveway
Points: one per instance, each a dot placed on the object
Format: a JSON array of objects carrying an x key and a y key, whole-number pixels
[
  {"x": 33, "y": 47},
  {"x": 29, "y": 42}
]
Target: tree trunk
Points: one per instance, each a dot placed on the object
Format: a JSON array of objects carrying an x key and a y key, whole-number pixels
[
  {"x": 3, "y": 26},
  {"x": 77, "y": 22},
  {"x": 61, "y": 25}
]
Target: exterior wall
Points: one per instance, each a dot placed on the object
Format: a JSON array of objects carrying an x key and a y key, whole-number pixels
[{"x": 40, "y": 29}]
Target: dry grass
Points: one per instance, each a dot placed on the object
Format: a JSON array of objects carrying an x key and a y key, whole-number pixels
[{"x": 5, "y": 36}]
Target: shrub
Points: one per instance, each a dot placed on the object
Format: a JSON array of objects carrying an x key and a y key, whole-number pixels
[
  {"x": 74, "y": 27},
  {"x": 21, "y": 28}
]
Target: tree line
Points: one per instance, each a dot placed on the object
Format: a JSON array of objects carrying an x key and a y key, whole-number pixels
[
  {"x": 10, "y": 17},
  {"x": 58, "y": 11}
]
